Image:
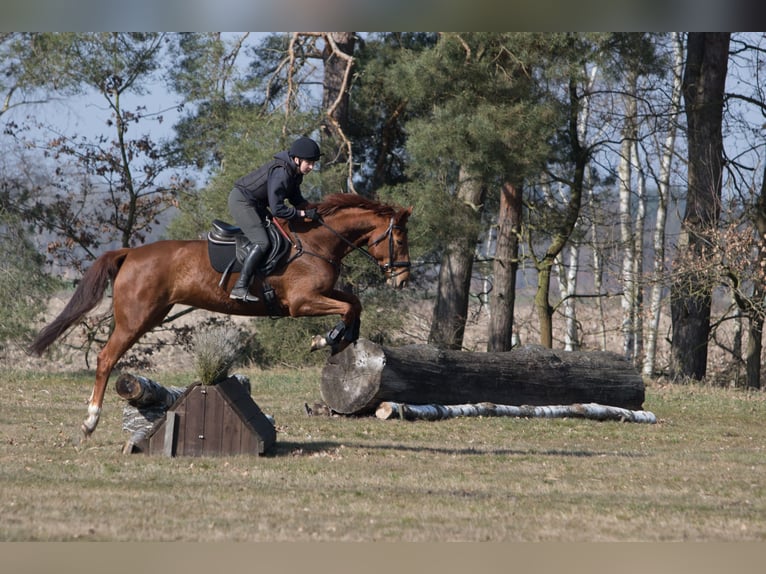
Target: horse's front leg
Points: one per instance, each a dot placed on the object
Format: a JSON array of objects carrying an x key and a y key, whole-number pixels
[
  {"x": 339, "y": 337},
  {"x": 346, "y": 331}
]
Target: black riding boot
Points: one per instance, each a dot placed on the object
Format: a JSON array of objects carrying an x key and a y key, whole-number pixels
[{"x": 241, "y": 288}]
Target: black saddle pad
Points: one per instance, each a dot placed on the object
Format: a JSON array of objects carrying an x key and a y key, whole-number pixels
[
  {"x": 223, "y": 252},
  {"x": 223, "y": 256}
]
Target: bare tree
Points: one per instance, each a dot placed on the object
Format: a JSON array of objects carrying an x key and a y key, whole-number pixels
[
  {"x": 703, "y": 89},
  {"x": 662, "y": 181},
  {"x": 757, "y": 312},
  {"x": 580, "y": 156},
  {"x": 568, "y": 271},
  {"x": 335, "y": 49},
  {"x": 338, "y": 59},
  {"x": 627, "y": 253}
]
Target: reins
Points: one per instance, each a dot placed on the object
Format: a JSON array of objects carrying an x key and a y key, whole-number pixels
[{"x": 386, "y": 268}]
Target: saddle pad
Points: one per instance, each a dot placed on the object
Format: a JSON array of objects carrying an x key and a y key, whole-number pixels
[{"x": 221, "y": 255}]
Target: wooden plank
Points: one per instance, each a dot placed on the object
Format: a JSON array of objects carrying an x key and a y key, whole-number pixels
[
  {"x": 214, "y": 415},
  {"x": 169, "y": 436},
  {"x": 193, "y": 423},
  {"x": 233, "y": 428},
  {"x": 258, "y": 434}
]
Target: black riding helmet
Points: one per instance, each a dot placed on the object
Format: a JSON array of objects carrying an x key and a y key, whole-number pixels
[{"x": 305, "y": 148}]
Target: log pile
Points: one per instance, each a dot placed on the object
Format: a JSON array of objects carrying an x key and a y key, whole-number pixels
[{"x": 365, "y": 374}]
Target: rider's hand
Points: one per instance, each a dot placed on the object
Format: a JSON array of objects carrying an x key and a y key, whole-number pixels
[{"x": 312, "y": 214}]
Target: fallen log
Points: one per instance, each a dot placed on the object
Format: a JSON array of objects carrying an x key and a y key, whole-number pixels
[
  {"x": 390, "y": 410},
  {"x": 147, "y": 401},
  {"x": 365, "y": 374},
  {"x": 142, "y": 392}
]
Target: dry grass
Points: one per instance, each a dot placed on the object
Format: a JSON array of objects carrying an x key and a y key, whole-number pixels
[{"x": 696, "y": 475}]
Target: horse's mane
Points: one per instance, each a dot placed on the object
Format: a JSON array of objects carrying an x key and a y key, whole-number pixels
[{"x": 335, "y": 202}]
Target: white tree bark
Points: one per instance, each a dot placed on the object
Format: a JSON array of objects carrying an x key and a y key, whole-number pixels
[
  {"x": 663, "y": 193},
  {"x": 638, "y": 259},
  {"x": 567, "y": 273},
  {"x": 389, "y": 410},
  {"x": 624, "y": 172}
]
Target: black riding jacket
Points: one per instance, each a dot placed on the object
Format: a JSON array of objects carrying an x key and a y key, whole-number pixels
[{"x": 273, "y": 183}]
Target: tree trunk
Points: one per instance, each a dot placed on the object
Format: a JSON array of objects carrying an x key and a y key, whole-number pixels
[
  {"x": 753, "y": 353},
  {"x": 451, "y": 309},
  {"x": 504, "y": 268},
  {"x": 542, "y": 302},
  {"x": 703, "y": 87},
  {"x": 626, "y": 215},
  {"x": 568, "y": 272},
  {"x": 756, "y": 311},
  {"x": 638, "y": 261},
  {"x": 147, "y": 401},
  {"x": 563, "y": 232},
  {"x": 663, "y": 193},
  {"x": 358, "y": 379}
]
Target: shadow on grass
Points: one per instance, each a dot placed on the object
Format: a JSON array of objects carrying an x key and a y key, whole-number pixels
[{"x": 287, "y": 448}]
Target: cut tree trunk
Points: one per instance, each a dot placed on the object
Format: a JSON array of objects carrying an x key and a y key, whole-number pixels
[
  {"x": 142, "y": 392},
  {"x": 358, "y": 379}
]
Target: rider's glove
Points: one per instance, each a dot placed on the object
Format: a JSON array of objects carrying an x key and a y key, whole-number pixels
[{"x": 312, "y": 214}]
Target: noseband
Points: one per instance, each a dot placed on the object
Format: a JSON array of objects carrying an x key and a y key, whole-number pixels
[{"x": 389, "y": 269}]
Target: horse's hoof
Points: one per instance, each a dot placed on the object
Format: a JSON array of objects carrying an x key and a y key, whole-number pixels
[
  {"x": 318, "y": 342},
  {"x": 91, "y": 422}
]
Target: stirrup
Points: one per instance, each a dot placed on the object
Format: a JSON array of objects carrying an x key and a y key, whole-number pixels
[{"x": 247, "y": 297}]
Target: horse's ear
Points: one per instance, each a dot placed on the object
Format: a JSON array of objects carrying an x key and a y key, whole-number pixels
[{"x": 403, "y": 216}]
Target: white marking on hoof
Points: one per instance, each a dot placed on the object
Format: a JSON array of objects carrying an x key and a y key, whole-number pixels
[
  {"x": 90, "y": 423},
  {"x": 318, "y": 342}
]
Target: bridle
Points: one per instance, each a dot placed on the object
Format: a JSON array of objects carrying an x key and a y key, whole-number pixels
[{"x": 389, "y": 269}]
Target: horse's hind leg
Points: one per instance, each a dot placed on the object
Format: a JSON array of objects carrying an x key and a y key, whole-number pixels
[{"x": 124, "y": 336}]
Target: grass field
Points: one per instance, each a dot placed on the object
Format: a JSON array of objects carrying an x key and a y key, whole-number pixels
[{"x": 697, "y": 475}]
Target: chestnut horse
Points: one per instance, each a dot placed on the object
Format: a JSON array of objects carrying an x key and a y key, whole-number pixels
[{"x": 148, "y": 280}]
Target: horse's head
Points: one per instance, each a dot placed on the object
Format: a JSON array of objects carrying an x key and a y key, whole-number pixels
[
  {"x": 356, "y": 220},
  {"x": 388, "y": 245}
]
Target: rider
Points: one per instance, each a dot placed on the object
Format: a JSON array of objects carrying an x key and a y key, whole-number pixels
[{"x": 265, "y": 191}]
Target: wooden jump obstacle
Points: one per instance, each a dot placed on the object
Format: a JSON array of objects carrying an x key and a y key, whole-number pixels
[
  {"x": 202, "y": 420},
  {"x": 365, "y": 375}
]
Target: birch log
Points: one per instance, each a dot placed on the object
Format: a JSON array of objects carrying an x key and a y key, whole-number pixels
[
  {"x": 358, "y": 379},
  {"x": 390, "y": 410}
]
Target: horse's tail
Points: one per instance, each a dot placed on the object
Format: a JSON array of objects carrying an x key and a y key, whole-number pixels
[{"x": 88, "y": 294}]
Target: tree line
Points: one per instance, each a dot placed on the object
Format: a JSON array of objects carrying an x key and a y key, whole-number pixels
[{"x": 559, "y": 156}]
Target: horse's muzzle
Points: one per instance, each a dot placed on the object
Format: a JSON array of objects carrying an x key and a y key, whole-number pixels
[{"x": 398, "y": 281}]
